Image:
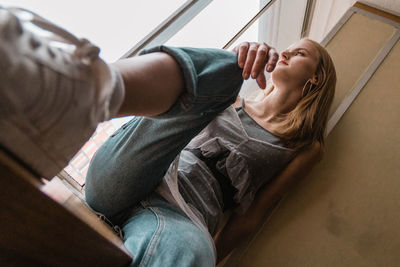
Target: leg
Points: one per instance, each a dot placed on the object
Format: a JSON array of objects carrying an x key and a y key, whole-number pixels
[
  {"x": 159, "y": 234},
  {"x": 133, "y": 161},
  {"x": 153, "y": 83}
]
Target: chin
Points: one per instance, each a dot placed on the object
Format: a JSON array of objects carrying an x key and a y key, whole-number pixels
[{"x": 279, "y": 76}]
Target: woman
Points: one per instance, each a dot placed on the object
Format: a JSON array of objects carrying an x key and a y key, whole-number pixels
[{"x": 170, "y": 209}]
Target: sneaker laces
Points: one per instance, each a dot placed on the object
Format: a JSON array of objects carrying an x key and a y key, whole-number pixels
[
  {"x": 84, "y": 48},
  {"x": 85, "y": 52}
]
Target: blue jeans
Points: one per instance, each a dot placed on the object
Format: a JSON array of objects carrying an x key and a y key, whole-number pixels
[
  {"x": 158, "y": 233},
  {"x": 132, "y": 162}
]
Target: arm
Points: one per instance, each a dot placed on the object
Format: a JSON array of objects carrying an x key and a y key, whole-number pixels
[{"x": 240, "y": 226}]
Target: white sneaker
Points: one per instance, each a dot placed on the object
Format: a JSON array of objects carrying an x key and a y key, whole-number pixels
[{"x": 51, "y": 97}]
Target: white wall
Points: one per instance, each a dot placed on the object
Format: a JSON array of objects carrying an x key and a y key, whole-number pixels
[{"x": 326, "y": 14}]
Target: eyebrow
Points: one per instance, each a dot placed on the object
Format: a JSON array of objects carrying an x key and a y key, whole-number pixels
[{"x": 302, "y": 48}]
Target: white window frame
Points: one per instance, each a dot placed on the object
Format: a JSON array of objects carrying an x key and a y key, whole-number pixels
[{"x": 170, "y": 26}]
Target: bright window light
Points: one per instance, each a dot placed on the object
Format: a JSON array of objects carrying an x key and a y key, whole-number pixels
[
  {"x": 115, "y": 26},
  {"x": 218, "y": 23}
]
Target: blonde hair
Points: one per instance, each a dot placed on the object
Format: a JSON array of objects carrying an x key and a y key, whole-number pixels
[{"x": 306, "y": 123}]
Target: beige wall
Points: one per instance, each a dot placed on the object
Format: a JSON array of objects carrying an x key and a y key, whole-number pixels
[
  {"x": 353, "y": 50},
  {"x": 347, "y": 213},
  {"x": 328, "y": 12}
]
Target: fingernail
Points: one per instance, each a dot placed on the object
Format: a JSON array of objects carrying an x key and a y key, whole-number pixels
[
  {"x": 269, "y": 68},
  {"x": 254, "y": 75},
  {"x": 246, "y": 75}
]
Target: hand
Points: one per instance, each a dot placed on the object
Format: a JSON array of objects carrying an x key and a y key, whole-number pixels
[{"x": 253, "y": 57}]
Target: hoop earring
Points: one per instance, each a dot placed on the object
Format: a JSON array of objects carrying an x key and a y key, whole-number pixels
[{"x": 304, "y": 87}]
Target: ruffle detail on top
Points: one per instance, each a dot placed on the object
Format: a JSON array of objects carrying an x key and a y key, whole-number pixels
[
  {"x": 237, "y": 170},
  {"x": 234, "y": 167},
  {"x": 214, "y": 147}
]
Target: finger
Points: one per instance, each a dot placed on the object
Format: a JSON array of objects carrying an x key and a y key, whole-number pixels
[
  {"x": 251, "y": 55},
  {"x": 273, "y": 57},
  {"x": 236, "y": 49},
  {"x": 261, "y": 80},
  {"x": 260, "y": 61},
  {"x": 242, "y": 53}
]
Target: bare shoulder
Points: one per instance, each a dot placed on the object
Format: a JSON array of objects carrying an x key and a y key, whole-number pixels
[
  {"x": 318, "y": 149},
  {"x": 313, "y": 152}
]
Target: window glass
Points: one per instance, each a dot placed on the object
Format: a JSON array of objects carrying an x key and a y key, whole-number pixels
[
  {"x": 218, "y": 23},
  {"x": 115, "y": 26}
]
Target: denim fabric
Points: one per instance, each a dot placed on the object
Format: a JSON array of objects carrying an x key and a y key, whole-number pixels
[
  {"x": 159, "y": 234},
  {"x": 133, "y": 161}
]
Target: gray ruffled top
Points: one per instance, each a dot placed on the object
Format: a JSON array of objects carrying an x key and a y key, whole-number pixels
[{"x": 246, "y": 162}]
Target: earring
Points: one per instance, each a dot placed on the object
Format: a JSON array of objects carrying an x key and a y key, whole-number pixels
[
  {"x": 304, "y": 87},
  {"x": 315, "y": 81}
]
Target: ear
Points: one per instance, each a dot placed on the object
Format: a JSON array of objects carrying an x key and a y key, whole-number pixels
[{"x": 314, "y": 79}]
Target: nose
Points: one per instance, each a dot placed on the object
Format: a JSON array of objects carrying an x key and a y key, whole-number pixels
[{"x": 285, "y": 55}]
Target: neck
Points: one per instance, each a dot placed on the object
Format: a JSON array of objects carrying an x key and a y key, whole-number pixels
[{"x": 279, "y": 101}]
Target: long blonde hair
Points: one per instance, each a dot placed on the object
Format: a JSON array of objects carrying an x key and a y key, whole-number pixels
[{"x": 306, "y": 123}]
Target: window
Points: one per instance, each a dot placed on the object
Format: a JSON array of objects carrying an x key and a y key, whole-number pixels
[
  {"x": 115, "y": 26},
  {"x": 218, "y": 23}
]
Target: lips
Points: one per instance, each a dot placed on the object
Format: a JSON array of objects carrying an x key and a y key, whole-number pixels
[{"x": 282, "y": 62}]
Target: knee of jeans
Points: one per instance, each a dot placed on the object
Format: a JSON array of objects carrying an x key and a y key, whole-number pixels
[
  {"x": 186, "y": 245},
  {"x": 183, "y": 248},
  {"x": 159, "y": 236},
  {"x": 139, "y": 231},
  {"x": 195, "y": 249}
]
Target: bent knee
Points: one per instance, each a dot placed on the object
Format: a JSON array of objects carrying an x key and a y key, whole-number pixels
[{"x": 159, "y": 236}]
